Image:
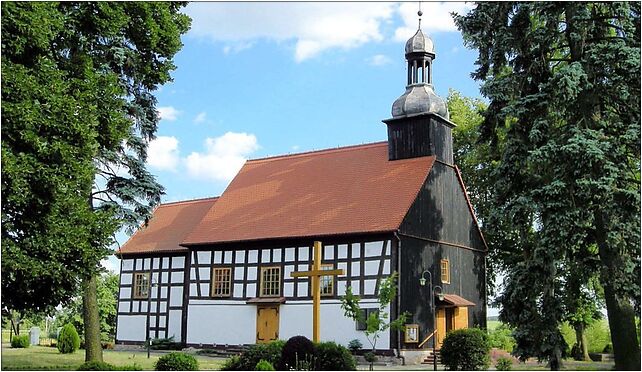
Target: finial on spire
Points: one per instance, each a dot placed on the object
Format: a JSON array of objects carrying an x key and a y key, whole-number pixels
[{"x": 420, "y": 13}]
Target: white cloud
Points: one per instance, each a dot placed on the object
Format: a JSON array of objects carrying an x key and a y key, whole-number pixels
[
  {"x": 237, "y": 48},
  {"x": 200, "y": 117},
  {"x": 314, "y": 27},
  {"x": 111, "y": 264},
  {"x": 436, "y": 17},
  {"x": 223, "y": 156},
  {"x": 379, "y": 60},
  {"x": 167, "y": 113},
  {"x": 162, "y": 153}
]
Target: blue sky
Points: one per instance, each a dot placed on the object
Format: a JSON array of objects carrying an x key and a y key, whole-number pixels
[{"x": 261, "y": 79}]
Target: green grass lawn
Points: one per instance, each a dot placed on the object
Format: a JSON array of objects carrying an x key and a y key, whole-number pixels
[
  {"x": 492, "y": 324},
  {"x": 48, "y": 358}
]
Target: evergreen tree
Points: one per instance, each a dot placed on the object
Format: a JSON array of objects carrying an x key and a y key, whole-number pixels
[
  {"x": 98, "y": 112},
  {"x": 563, "y": 80}
]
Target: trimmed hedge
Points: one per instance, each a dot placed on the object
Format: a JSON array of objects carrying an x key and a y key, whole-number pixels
[
  {"x": 176, "y": 362},
  {"x": 329, "y": 356},
  {"x": 68, "y": 339},
  {"x": 466, "y": 349},
  {"x": 20, "y": 342}
]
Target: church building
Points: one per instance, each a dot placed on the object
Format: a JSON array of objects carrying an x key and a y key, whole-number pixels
[{"x": 216, "y": 272}]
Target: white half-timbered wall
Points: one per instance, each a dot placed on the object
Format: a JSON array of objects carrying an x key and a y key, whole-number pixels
[
  {"x": 232, "y": 321},
  {"x": 163, "y": 310}
]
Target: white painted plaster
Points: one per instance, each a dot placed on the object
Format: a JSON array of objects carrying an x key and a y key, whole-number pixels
[
  {"x": 233, "y": 324},
  {"x": 341, "y": 287},
  {"x": 123, "y": 307},
  {"x": 136, "y": 306},
  {"x": 174, "y": 326},
  {"x": 192, "y": 273},
  {"x": 369, "y": 286},
  {"x": 328, "y": 252},
  {"x": 253, "y": 256},
  {"x": 288, "y": 269},
  {"x": 227, "y": 257},
  {"x": 238, "y": 273},
  {"x": 152, "y": 321},
  {"x": 240, "y": 257},
  {"x": 205, "y": 289},
  {"x": 302, "y": 289},
  {"x": 218, "y": 257},
  {"x": 386, "y": 267},
  {"x": 128, "y": 264},
  {"x": 165, "y": 262},
  {"x": 302, "y": 267},
  {"x": 276, "y": 255},
  {"x": 373, "y": 249},
  {"x": 343, "y": 251},
  {"x": 164, "y": 292},
  {"x": 192, "y": 289},
  {"x": 177, "y": 277},
  {"x": 356, "y": 287},
  {"x": 296, "y": 319},
  {"x": 131, "y": 327},
  {"x": 371, "y": 268},
  {"x": 238, "y": 290},
  {"x": 163, "y": 307},
  {"x": 164, "y": 277},
  {"x": 179, "y": 262},
  {"x": 126, "y": 279},
  {"x": 143, "y": 307},
  {"x": 176, "y": 296},
  {"x": 138, "y": 263},
  {"x": 356, "y": 267},
  {"x": 356, "y": 250},
  {"x": 289, "y": 254},
  {"x": 125, "y": 293},
  {"x": 154, "y": 277},
  {"x": 288, "y": 289},
  {"x": 388, "y": 248},
  {"x": 204, "y": 273},
  {"x": 303, "y": 253},
  {"x": 162, "y": 321},
  {"x": 204, "y": 257},
  {"x": 251, "y": 289},
  {"x": 251, "y": 273},
  {"x": 265, "y": 255},
  {"x": 155, "y": 262}
]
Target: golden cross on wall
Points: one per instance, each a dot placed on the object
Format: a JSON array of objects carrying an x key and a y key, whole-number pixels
[{"x": 315, "y": 274}]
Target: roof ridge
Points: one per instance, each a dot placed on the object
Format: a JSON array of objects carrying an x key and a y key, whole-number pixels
[
  {"x": 197, "y": 200},
  {"x": 313, "y": 152}
]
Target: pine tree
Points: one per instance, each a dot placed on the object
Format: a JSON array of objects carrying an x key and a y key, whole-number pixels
[{"x": 563, "y": 80}]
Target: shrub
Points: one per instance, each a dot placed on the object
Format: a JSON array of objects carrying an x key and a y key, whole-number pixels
[
  {"x": 264, "y": 365},
  {"x": 501, "y": 338},
  {"x": 504, "y": 364},
  {"x": 465, "y": 349},
  {"x": 232, "y": 363},
  {"x": 355, "y": 345},
  {"x": 248, "y": 360},
  {"x": 68, "y": 340},
  {"x": 97, "y": 366},
  {"x": 370, "y": 357},
  {"x": 20, "y": 341},
  {"x": 332, "y": 357},
  {"x": 297, "y": 351},
  {"x": 176, "y": 362}
]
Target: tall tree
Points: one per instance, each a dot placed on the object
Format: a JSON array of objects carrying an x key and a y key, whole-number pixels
[
  {"x": 563, "y": 80},
  {"x": 113, "y": 56}
]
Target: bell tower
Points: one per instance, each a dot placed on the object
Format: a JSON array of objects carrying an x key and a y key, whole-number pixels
[{"x": 419, "y": 125}]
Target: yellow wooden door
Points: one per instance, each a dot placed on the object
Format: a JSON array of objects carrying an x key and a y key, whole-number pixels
[
  {"x": 267, "y": 324},
  {"x": 461, "y": 318},
  {"x": 441, "y": 326}
]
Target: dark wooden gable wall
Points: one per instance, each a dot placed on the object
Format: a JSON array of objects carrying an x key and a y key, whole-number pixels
[{"x": 439, "y": 225}]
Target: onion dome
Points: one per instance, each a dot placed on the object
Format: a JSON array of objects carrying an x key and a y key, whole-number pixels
[{"x": 420, "y": 96}]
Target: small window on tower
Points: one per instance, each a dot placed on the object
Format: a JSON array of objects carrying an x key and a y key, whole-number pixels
[
  {"x": 445, "y": 271},
  {"x": 221, "y": 281},
  {"x": 141, "y": 285},
  {"x": 327, "y": 282}
]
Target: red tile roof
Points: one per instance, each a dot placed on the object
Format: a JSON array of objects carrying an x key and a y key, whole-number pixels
[
  {"x": 339, "y": 191},
  {"x": 168, "y": 227}
]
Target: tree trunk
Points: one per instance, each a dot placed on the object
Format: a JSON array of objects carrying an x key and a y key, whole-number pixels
[
  {"x": 580, "y": 337},
  {"x": 93, "y": 347},
  {"x": 555, "y": 363},
  {"x": 626, "y": 348}
]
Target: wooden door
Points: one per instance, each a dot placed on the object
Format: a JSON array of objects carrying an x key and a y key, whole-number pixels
[
  {"x": 267, "y": 323},
  {"x": 441, "y": 326}
]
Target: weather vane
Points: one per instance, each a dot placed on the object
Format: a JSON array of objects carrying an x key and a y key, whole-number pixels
[{"x": 420, "y": 13}]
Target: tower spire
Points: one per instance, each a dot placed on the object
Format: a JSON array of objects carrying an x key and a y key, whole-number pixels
[{"x": 419, "y": 13}]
